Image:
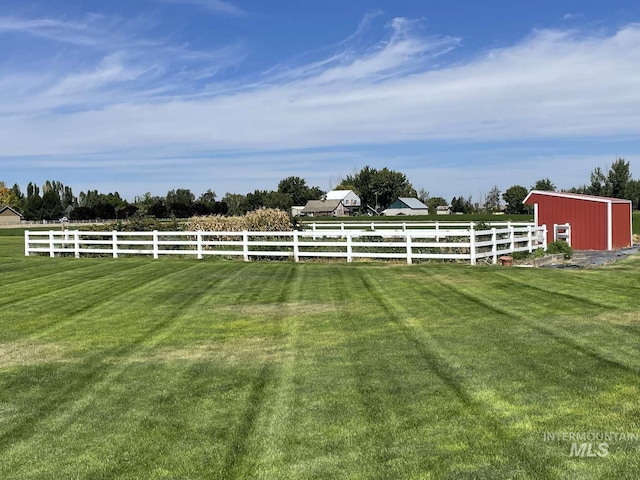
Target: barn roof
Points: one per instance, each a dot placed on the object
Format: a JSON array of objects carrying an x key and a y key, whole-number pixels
[
  {"x": 2, "y": 209},
  {"x": 338, "y": 194},
  {"x": 413, "y": 203},
  {"x": 575, "y": 196},
  {"x": 315, "y": 206}
]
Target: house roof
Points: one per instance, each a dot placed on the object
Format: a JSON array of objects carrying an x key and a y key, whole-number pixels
[
  {"x": 443, "y": 207},
  {"x": 316, "y": 206},
  {"x": 575, "y": 196},
  {"x": 413, "y": 203},
  {"x": 2, "y": 209},
  {"x": 338, "y": 194}
]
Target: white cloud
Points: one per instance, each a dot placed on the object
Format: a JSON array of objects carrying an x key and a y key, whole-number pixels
[
  {"x": 212, "y": 6},
  {"x": 551, "y": 85}
]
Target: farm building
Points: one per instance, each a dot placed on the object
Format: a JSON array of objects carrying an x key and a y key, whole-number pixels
[
  {"x": 443, "y": 210},
  {"x": 349, "y": 199},
  {"x": 406, "y": 206},
  {"x": 324, "y": 208},
  {"x": 596, "y": 223},
  {"x": 8, "y": 216}
]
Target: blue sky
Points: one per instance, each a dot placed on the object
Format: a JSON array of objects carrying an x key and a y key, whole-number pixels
[{"x": 143, "y": 96}]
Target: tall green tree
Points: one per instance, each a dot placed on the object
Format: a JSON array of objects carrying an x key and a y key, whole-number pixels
[
  {"x": 235, "y": 202},
  {"x": 492, "y": 200},
  {"x": 422, "y": 194},
  {"x": 618, "y": 179},
  {"x": 544, "y": 184},
  {"x": 634, "y": 193},
  {"x": 298, "y": 190},
  {"x": 598, "y": 183},
  {"x": 513, "y": 198},
  {"x": 52, "y": 205},
  {"x": 379, "y": 188},
  {"x": 33, "y": 203}
]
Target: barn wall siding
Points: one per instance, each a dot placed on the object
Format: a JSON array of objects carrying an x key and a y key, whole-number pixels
[
  {"x": 621, "y": 219},
  {"x": 591, "y": 220}
]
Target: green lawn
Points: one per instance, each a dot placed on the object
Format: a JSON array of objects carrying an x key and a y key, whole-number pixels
[{"x": 185, "y": 369}]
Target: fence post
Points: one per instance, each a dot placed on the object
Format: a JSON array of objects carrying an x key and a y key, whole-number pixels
[
  {"x": 52, "y": 253},
  {"x": 199, "y": 244},
  {"x": 26, "y": 243},
  {"x": 512, "y": 237},
  {"x": 296, "y": 247},
  {"x": 349, "y": 248},
  {"x": 530, "y": 238},
  {"x": 404, "y": 226},
  {"x": 245, "y": 245},
  {"x": 114, "y": 236},
  {"x": 472, "y": 245},
  {"x": 155, "y": 244},
  {"x": 494, "y": 246},
  {"x": 437, "y": 232},
  {"x": 544, "y": 237},
  {"x": 76, "y": 244},
  {"x": 409, "y": 248}
]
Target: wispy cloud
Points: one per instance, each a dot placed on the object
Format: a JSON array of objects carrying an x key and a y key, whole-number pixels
[
  {"x": 211, "y": 6},
  {"x": 573, "y": 16},
  {"x": 105, "y": 61},
  {"x": 158, "y": 95}
]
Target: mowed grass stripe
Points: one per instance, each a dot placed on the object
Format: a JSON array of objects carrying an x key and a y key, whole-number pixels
[
  {"x": 491, "y": 424},
  {"x": 61, "y": 284},
  {"x": 214, "y": 369},
  {"x": 106, "y": 367},
  {"x": 533, "y": 316},
  {"x": 544, "y": 362},
  {"x": 51, "y": 307}
]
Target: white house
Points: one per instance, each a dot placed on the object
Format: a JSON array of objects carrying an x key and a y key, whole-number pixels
[
  {"x": 348, "y": 198},
  {"x": 443, "y": 210},
  {"x": 406, "y": 206}
]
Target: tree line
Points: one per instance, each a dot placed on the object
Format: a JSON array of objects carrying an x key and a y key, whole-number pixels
[
  {"x": 617, "y": 182},
  {"x": 377, "y": 189}
]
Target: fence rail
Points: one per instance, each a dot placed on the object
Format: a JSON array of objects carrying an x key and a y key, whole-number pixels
[
  {"x": 410, "y": 245},
  {"x": 406, "y": 225}
]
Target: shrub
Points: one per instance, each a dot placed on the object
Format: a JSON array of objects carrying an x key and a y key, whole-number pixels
[
  {"x": 261, "y": 220},
  {"x": 560, "y": 246},
  {"x": 268, "y": 220}
]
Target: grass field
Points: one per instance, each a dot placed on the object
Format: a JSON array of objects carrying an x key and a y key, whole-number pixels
[{"x": 185, "y": 369}]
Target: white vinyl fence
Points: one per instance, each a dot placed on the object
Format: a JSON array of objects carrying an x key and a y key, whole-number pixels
[
  {"x": 407, "y": 225},
  {"x": 409, "y": 245}
]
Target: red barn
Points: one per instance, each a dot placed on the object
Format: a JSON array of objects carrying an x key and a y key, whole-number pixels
[{"x": 597, "y": 223}]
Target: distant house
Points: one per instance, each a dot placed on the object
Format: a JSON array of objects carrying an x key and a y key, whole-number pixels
[
  {"x": 348, "y": 198},
  {"x": 443, "y": 210},
  {"x": 406, "y": 206},
  {"x": 8, "y": 216},
  {"x": 296, "y": 211},
  {"x": 324, "y": 208}
]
